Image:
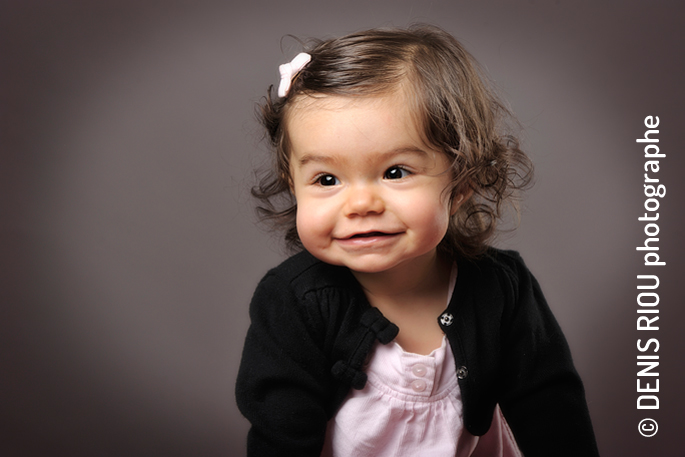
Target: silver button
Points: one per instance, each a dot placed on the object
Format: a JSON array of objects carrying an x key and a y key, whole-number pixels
[
  {"x": 446, "y": 319},
  {"x": 419, "y": 370},
  {"x": 419, "y": 385},
  {"x": 462, "y": 372}
]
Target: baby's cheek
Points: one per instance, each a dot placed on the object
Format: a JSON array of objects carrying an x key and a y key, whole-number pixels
[
  {"x": 308, "y": 226},
  {"x": 301, "y": 223},
  {"x": 433, "y": 220}
]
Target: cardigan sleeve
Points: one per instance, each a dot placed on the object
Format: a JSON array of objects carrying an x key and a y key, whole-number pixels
[
  {"x": 282, "y": 381},
  {"x": 542, "y": 396}
]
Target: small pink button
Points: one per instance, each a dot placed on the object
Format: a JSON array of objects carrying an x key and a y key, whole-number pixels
[
  {"x": 419, "y": 385},
  {"x": 419, "y": 370}
]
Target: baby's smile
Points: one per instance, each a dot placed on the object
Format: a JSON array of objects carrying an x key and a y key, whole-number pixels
[
  {"x": 366, "y": 235},
  {"x": 368, "y": 240}
]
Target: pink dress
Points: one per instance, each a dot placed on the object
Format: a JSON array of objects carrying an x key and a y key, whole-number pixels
[{"x": 411, "y": 406}]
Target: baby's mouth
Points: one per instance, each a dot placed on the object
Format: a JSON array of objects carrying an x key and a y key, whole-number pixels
[
  {"x": 368, "y": 235},
  {"x": 364, "y": 240},
  {"x": 372, "y": 234}
]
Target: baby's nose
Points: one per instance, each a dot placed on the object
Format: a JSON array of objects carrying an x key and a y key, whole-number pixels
[{"x": 364, "y": 200}]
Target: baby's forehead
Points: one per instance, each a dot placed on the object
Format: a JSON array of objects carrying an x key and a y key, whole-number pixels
[
  {"x": 302, "y": 105},
  {"x": 308, "y": 114},
  {"x": 395, "y": 102},
  {"x": 328, "y": 129}
]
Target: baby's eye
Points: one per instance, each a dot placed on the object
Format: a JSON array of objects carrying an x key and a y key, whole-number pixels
[
  {"x": 396, "y": 173},
  {"x": 327, "y": 180}
]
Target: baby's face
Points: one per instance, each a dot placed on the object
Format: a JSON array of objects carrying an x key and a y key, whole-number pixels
[{"x": 370, "y": 194}]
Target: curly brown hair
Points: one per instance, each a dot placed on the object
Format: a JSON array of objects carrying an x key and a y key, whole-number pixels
[{"x": 458, "y": 114}]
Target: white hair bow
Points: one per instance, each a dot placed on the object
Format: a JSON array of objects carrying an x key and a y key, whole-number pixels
[{"x": 288, "y": 70}]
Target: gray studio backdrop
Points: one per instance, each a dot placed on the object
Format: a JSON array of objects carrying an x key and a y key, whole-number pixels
[{"x": 129, "y": 249}]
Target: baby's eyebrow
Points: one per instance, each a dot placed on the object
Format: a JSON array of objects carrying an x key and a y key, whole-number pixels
[
  {"x": 307, "y": 158},
  {"x": 328, "y": 159},
  {"x": 405, "y": 150}
]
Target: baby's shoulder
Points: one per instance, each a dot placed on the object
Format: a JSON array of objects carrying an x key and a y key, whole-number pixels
[
  {"x": 309, "y": 294},
  {"x": 500, "y": 263}
]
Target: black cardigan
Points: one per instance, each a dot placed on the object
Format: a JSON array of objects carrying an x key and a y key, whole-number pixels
[{"x": 312, "y": 330}]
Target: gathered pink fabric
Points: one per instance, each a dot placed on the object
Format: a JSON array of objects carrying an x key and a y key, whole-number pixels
[{"x": 411, "y": 406}]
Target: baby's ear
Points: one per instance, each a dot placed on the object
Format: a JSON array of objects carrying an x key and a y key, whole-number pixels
[{"x": 460, "y": 198}]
